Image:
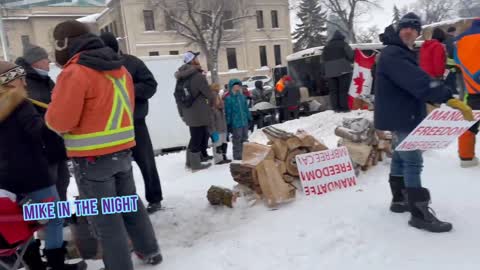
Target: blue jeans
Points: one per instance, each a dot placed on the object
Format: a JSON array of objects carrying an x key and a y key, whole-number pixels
[
  {"x": 407, "y": 164},
  {"x": 54, "y": 228}
]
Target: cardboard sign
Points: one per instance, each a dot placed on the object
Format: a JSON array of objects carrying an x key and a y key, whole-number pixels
[
  {"x": 326, "y": 171},
  {"x": 440, "y": 128}
]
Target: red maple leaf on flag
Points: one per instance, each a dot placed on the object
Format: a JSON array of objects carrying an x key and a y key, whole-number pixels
[{"x": 359, "y": 81}]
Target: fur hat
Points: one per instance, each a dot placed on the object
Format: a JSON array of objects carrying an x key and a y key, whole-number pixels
[
  {"x": 10, "y": 72},
  {"x": 9, "y": 99},
  {"x": 215, "y": 87},
  {"x": 33, "y": 54},
  {"x": 64, "y": 34}
]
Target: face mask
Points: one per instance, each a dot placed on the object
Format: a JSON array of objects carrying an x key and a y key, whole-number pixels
[{"x": 41, "y": 72}]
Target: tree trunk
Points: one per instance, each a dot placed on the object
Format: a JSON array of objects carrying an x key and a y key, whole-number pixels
[{"x": 212, "y": 65}]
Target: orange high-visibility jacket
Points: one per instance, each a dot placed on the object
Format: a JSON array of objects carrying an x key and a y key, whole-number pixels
[
  {"x": 93, "y": 110},
  {"x": 467, "y": 57}
]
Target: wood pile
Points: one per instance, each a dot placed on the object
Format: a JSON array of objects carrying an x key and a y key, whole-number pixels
[
  {"x": 365, "y": 144},
  {"x": 271, "y": 170}
]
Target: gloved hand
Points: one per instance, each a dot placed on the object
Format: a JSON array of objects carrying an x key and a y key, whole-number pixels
[
  {"x": 215, "y": 137},
  {"x": 464, "y": 108}
]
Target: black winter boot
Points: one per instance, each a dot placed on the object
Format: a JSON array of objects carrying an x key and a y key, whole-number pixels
[
  {"x": 196, "y": 162},
  {"x": 422, "y": 216},
  {"x": 224, "y": 150},
  {"x": 399, "y": 201},
  {"x": 32, "y": 256},
  {"x": 56, "y": 260}
]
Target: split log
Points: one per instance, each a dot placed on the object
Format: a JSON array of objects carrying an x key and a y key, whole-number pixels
[
  {"x": 317, "y": 148},
  {"x": 293, "y": 143},
  {"x": 220, "y": 196},
  {"x": 245, "y": 175},
  {"x": 307, "y": 139},
  {"x": 282, "y": 166},
  {"x": 291, "y": 162},
  {"x": 359, "y": 152},
  {"x": 280, "y": 149},
  {"x": 274, "y": 188},
  {"x": 290, "y": 179},
  {"x": 254, "y": 153}
]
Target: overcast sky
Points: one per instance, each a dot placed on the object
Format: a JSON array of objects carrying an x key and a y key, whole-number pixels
[{"x": 380, "y": 17}]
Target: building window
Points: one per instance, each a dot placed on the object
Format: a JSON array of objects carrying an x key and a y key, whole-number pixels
[
  {"x": 174, "y": 53},
  {"x": 278, "y": 54},
  {"x": 260, "y": 24},
  {"x": 206, "y": 19},
  {"x": 232, "y": 58},
  {"x": 169, "y": 23},
  {"x": 275, "y": 19},
  {"x": 226, "y": 16},
  {"x": 263, "y": 56},
  {"x": 149, "y": 20},
  {"x": 25, "y": 40},
  {"x": 153, "y": 54}
]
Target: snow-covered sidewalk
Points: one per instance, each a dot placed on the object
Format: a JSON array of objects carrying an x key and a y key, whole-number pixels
[{"x": 341, "y": 230}]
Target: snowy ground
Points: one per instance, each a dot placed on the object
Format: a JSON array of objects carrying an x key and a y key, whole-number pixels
[{"x": 341, "y": 230}]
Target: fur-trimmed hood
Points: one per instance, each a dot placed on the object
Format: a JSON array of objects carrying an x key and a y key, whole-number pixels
[{"x": 9, "y": 101}]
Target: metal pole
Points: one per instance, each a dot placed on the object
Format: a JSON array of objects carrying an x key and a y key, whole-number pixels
[{"x": 3, "y": 37}]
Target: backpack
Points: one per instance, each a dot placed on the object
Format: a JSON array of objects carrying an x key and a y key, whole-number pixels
[{"x": 183, "y": 94}]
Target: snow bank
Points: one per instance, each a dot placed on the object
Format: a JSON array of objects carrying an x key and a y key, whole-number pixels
[
  {"x": 448, "y": 22},
  {"x": 90, "y": 18},
  {"x": 321, "y": 126}
]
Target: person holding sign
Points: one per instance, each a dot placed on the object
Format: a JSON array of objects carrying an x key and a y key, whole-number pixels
[
  {"x": 466, "y": 56},
  {"x": 402, "y": 91}
]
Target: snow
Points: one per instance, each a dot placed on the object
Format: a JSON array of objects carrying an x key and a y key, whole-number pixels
[
  {"x": 341, "y": 230},
  {"x": 448, "y": 22},
  {"x": 264, "y": 68},
  {"x": 90, "y": 18}
]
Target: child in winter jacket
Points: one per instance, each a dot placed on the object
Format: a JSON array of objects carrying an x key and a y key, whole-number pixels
[
  {"x": 24, "y": 162},
  {"x": 218, "y": 128},
  {"x": 238, "y": 117}
]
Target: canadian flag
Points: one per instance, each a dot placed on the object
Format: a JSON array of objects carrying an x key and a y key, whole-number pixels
[{"x": 362, "y": 76}]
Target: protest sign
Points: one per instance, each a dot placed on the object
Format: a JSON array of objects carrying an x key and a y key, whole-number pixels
[
  {"x": 326, "y": 171},
  {"x": 441, "y": 127}
]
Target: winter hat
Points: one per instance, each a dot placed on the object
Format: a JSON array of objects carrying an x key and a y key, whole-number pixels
[
  {"x": 33, "y": 54},
  {"x": 410, "y": 20},
  {"x": 259, "y": 84},
  {"x": 110, "y": 41},
  {"x": 64, "y": 34},
  {"x": 438, "y": 34},
  {"x": 451, "y": 30},
  {"x": 189, "y": 56},
  {"x": 215, "y": 87},
  {"x": 10, "y": 72},
  {"x": 234, "y": 82}
]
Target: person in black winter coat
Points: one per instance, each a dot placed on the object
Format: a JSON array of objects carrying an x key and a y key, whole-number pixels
[
  {"x": 291, "y": 100},
  {"x": 24, "y": 162},
  {"x": 145, "y": 88},
  {"x": 39, "y": 87},
  {"x": 338, "y": 58},
  {"x": 402, "y": 91}
]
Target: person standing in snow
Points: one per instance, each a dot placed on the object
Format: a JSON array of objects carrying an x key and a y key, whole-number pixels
[
  {"x": 218, "y": 128},
  {"x": 402, "y": 91},
  {"x": 39, "y": 87},
  {"x": 291, "y": 100},
  {"x": 24, "y": 166},
  {"x": 145, "y": 88},
  {"x": 238, "y": 117},
  {"x": 92, "y": 106},
  {"x": 433, "y": 55},
  {"x": 198, "y": 116},
  {"x": 338, "y": 58},
  {"x": 468, "y": 46},
  {"x": 449, "y": 42}
]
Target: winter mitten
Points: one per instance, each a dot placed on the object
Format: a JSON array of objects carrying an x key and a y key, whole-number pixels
[
  {"x": 462, "y": 107},
  {"x": 215, "y": 137}
]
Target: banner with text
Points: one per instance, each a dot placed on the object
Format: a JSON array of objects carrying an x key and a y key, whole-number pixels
[
  {"x": 326, "y": 171},
  {"x": 440, "y": 128}
]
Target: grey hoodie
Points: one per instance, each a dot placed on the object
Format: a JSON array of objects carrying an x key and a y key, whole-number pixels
[{"x": 199, "y": 114}]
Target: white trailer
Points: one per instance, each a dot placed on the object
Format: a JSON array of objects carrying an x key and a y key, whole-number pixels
[{"x": 167, "y": 130}]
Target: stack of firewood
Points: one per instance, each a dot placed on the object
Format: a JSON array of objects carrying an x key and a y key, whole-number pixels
[
  {"x": 271, "y": 170},
  {"x": 365, "y": 144}
]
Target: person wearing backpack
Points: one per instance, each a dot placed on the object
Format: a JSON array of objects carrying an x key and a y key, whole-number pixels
[
  {"x": 466, "y": 57},
  {"x": 194, "y": 102}
]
